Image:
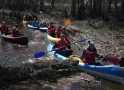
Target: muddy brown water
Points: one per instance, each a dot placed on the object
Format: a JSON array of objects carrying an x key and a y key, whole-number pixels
[{"x": 13, "y": 54}]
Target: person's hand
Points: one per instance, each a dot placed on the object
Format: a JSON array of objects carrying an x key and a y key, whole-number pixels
[
  {"x": 101, "y": 56},
  {"x": 68, "y": 46},
  {"x": 104, "y": 59}
]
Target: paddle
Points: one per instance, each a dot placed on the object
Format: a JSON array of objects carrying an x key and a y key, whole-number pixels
[
  {"x": 41, "y": 54},
  {"x": 113, "y": 60},
  {"x": 38, "y": 35},
  {"x": 67, "y": 22}
]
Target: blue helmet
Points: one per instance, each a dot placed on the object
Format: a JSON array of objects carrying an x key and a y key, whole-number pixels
[{"x": 90, "y": 43}]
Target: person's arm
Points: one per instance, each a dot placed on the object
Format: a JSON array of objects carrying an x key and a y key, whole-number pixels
[
  {"x": 55, "y": 46},
  {"x": 99, "y": 56},
  {"x": 68, "y": 41},
  {"x": 83, "y": 54}
]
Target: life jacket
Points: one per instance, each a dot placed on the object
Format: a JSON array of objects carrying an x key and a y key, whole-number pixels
[
  {"x": 26, "y": 18},
  {"x": 52, "y": 29},
  {"x": 4, "y": 28},
  {"x": 68, "y": 41},
  {"x": 35, "y": 23},
  {"x": 16, "y": 32},
  {"x": 90, "y": 57},
  {"x": 58, "y": 33},
  {"x": 60, "y": 29},
  {"x": 61, "y": 44}
]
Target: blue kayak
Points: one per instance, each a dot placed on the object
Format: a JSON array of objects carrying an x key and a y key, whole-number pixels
[
  {"x": 35, "y": 28},
  {"x": 109, "y": 72}
]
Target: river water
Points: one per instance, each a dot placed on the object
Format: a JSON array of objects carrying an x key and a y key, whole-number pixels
[{"x": 13, "y": 54}]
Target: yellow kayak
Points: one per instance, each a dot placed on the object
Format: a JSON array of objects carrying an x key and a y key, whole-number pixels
[
  {"x": 26, "y": 22},
  {"x": 52, "y": 39}
]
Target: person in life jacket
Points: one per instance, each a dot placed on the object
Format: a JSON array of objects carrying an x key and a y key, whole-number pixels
[
  {"x": 68, "y": 42},
  {"x": 52, "y": 29},
  {"x": 35, "y": 23},
  {"x": 60, "y": 47},
  {"x": 26, "y": 17},
  {"x": 90, "y": 53},
  {"x": 4, "y": 28},
  {"x": 16, "y": 31},
  {"x": 58, "y": 32}
]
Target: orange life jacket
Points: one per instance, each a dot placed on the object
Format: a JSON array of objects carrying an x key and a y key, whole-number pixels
[
  {"x": 90, "y": 57},
  {"x": 61, "y": 44}
]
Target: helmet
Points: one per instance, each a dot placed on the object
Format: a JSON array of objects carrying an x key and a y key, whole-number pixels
[
  {"x": 16, "y": 25},
  {"x": 90, "y": 43},
  {"x": 51, "y": 22},
  {"x": 59, "y": 27},
  {"x": 3, "y": 22},
  {"x": 62, "y": 35}
]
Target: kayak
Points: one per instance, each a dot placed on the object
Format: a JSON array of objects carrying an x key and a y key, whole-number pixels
[
  {"x": 26, "y": 22},
  {"x": 52, "y": 39},
  {"x": 17, "y": 40},
  {"x": 35, "y": 28},
  {"x": 109, "y": 72}
]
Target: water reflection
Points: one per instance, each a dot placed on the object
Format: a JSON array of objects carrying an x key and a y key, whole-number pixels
[{"x": 14, "y": 54}]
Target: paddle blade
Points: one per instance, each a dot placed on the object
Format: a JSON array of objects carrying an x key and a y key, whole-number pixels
[
  {"x": 67, "y": 22},
  {"x": 113, "y": 60},
  {"x": 39, "y": 54},
  {"x": 38, "y": 35},
  {"x": 81, "y": 41}
]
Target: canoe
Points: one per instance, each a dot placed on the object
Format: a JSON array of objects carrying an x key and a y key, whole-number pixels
[
  {"x": 26, "y": 22},
  {"x": 52, "y": 39},
  {"x": 35, "y": 28},
  {"x": 17, "y": 40},
  {"x": 109, "y": 72}
]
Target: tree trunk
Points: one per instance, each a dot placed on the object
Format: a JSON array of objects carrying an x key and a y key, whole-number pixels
[
  {"x": 98, "y": 7},
  {"x": 41, "y": 5},
  {"x": 80, "y": 10},
  {"x": 52, "y": 3},
  {"x": 73, "y": 8},
  {"x": 89, "y": 8},
  {"x": 116, "y": 9},
  {"x": 122, "y": 6},
  {"x": 109, "y": 7},
  {"x": 105, "y": 9}
]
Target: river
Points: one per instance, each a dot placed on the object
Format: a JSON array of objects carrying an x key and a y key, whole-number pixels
[{"x": 13, "y": 54}]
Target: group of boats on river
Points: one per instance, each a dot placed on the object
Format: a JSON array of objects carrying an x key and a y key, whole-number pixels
[{"x": 109, "y": 72}]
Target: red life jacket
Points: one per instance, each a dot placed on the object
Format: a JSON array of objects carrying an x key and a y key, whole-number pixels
[
  {"x": 89, "y": 58},
  {"x": 68, "y": 41},
  {"x": 58, "y": 34},
  {"x": 16, "y": 32},
  {"x": 4, "y": 28},
  {"x": 61, "y": 44},
  {"x": 52, "y": 29},
  {"x": 60, "y": 29},
  {"x": 25, "y": 18}
]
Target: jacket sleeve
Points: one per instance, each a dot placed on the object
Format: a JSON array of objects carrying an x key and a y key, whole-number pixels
[
  {"x": 83, "y": 54},
  {"x": 55, "y": 45}
]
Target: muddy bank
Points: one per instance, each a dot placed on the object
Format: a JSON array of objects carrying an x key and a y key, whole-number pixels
[{"x": 46, "y": 70}]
